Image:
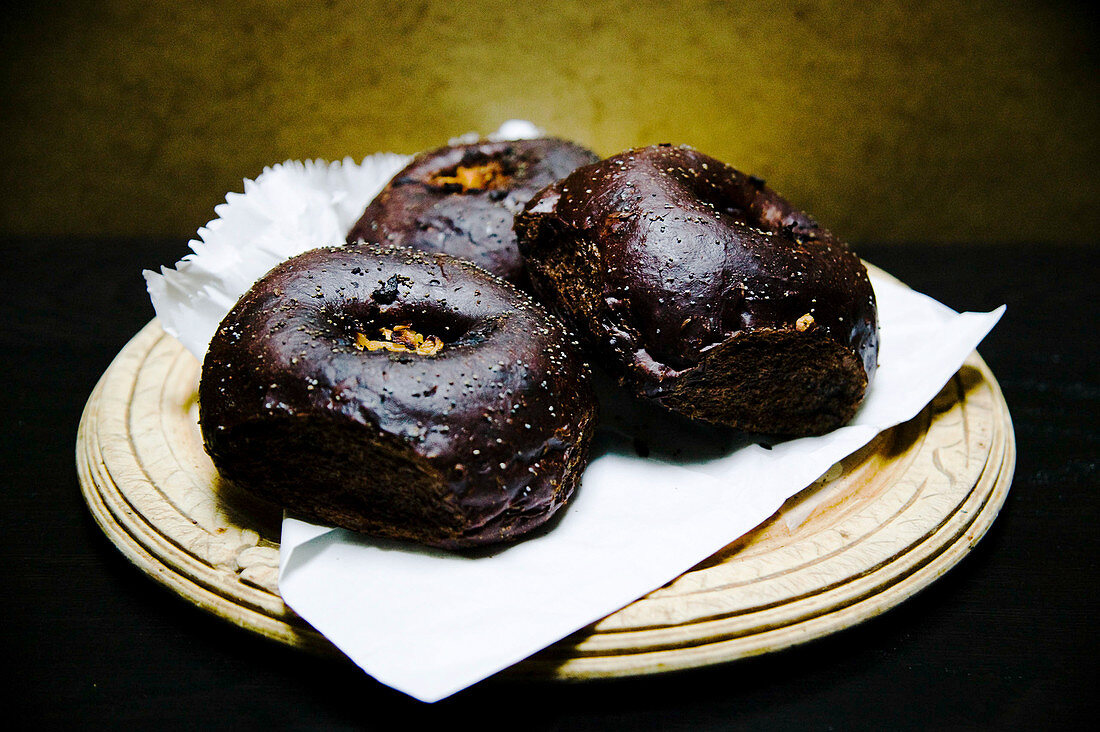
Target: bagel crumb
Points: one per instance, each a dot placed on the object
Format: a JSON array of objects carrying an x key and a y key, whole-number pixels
[{"x": 804, "y": 323}]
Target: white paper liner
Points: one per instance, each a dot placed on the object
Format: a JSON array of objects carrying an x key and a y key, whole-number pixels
[
  {"x": 430, "y": 623},
  {"x": 288, "y": 209}
]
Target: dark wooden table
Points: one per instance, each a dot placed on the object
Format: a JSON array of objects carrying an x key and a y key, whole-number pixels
[{"x": 1007, "y": 639}]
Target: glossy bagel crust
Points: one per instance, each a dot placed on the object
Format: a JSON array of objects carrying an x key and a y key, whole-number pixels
[
  {"x": 701, "y": 288},
  {"x": 478, "y": 443},
  {"x": 423, "y": 207}
]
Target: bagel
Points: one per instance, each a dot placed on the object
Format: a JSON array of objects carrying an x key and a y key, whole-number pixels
[
  {"x": 702, "y": 289},
  {"x": 405, "y": 395},
  {"x": 460, "y": 200}
]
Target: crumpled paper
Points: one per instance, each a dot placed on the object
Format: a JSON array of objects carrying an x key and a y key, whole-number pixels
[
  {"x": 431, "y": 623},
  {"x": 288, "y": 209}
]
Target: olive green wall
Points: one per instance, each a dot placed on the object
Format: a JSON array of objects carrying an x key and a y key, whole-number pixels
[{"x": 889, "y": 121}]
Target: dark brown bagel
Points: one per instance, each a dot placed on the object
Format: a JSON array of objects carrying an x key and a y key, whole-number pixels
[
  {"x": 461, "y": 200},
  {"x": 314, "y": 395},
  {"x": 701, "y": 288}
]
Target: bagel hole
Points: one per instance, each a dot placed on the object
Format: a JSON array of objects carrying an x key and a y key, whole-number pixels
[
  {"x": 400, "y": 330},
  {"x": 733, "y": 200},
  {"x": 476, "y": 172}
]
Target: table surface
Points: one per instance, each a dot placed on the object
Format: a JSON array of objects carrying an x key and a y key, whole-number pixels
[{"x": 1005, "y": 640}]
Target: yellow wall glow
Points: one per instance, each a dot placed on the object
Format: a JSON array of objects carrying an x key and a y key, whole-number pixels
[{"x": 889, "y": 121}]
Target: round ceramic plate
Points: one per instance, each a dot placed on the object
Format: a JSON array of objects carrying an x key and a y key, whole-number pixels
[{"x": 879, "y": 526}]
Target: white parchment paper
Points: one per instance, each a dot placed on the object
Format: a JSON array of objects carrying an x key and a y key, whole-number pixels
[{"x": 431, "y": 623}]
